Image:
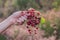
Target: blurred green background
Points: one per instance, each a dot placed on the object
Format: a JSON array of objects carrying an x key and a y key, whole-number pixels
[{"x": 7, "y": 7}]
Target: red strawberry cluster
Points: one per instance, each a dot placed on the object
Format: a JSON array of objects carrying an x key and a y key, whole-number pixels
[{"x": 33, "y": 19}]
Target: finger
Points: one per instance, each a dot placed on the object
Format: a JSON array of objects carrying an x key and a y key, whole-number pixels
[
  {"x": 24, "y": 17},
  {"x": 21, "y": 19},
  {"x": 19, "y": 14},
  {"x": 23, "y": 13}
]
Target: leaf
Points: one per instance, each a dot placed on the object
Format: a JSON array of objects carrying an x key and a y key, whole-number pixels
[{"x": 42, "y": 20}]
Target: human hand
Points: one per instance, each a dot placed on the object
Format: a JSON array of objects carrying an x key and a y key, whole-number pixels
[{"x": 18, "y": 16}]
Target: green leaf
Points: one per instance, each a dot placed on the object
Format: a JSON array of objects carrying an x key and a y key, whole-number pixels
[{"x": 42, "y": 20}]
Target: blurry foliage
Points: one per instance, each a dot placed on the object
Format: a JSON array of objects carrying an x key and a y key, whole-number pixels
[
  {"x": 56, "y": 4},
  {"x": 0, "y": 2},
  {"x": 37, "y": 4},
  {"x": 58, "y": 29},
  {"x": 1, "y": 15},
  {"x": 47, "y": 28},
  {"x": 9, "y": 6},
  {"x": 24, "y": 4}
]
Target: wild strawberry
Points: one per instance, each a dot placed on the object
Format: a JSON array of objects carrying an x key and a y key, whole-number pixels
[
  {"x": 28, "y": 23},
  {"x": 38, "y": 13},
  {"x": 37, "y": 28},
  {"x": 35, "y": 31},
  {"x": 33, "y": 19},
  {"x": 29, "y": 31},
  {"x": 27, "y": 26}
]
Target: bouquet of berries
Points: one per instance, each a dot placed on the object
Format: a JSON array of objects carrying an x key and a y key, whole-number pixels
[{"x": 32, "y": 20}]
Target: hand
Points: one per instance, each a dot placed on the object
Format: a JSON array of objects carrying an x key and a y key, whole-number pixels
[
  {"x": 18, "y": 16},
  {"x": 15, "y": 17}
]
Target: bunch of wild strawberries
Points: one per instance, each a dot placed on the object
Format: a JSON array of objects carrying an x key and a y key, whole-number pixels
[{"x": 33, "y": 19}]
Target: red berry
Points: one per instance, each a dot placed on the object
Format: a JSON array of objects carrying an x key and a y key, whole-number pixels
[
  {"x": 37, "y": 28},
  {"x": 27, "y": 11},
  {"x": 29, "y": 23},
  {"x": 29, "y": 31},
  {"x": 27, "y": 26},
  {"x": 35, "y": 31},
  {"x": 29, "y": 17},
  {"x": 38, "y": 13},
  {"x": 35, "y": 17},
  {"x": 32, "y": 25},
  {"x": 31, "y": 9},
  {"x": 39, "y": 18}
]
